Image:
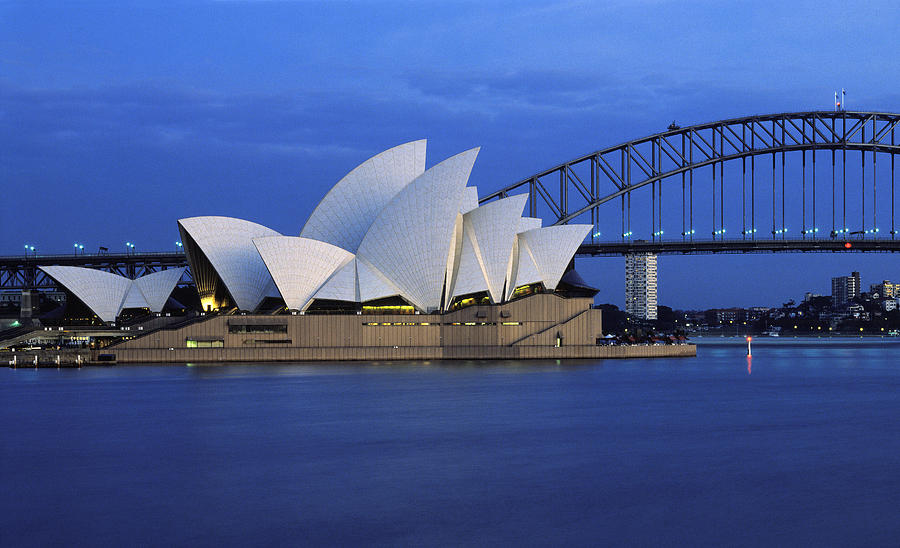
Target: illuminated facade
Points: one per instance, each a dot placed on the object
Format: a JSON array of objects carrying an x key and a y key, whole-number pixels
[
  {"x": 390, "y": 229},
  {"x": 389, "y": 236}
]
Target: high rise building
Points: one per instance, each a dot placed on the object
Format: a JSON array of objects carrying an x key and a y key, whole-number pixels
[
  {"x": 640, "y": 285},
  {"x": 844, "y": 288},
  {"x": 885, "y": 290}
]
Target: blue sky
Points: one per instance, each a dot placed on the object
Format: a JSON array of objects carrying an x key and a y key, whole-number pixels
[{"x": 118, "y": 118}]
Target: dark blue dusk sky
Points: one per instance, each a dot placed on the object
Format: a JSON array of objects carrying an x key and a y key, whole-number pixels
[{"x": 118, "y": 118}]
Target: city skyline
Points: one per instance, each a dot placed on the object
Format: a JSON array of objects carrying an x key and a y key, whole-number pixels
[{"x": 140, "y": 115}]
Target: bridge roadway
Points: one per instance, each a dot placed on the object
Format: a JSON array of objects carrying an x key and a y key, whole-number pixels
[
  {"x": 704, "y": 247},
  {"x": 21, "y": 271}
]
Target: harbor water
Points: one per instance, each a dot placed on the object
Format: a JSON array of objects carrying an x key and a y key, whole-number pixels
[{"x": 799, "y": 445}]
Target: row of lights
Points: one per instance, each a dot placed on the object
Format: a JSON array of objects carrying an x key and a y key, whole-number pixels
[
  {"x": 749, "y": 231},
  {"x": 79, "y": 248}
]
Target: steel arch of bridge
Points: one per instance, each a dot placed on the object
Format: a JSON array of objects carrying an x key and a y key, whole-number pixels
[{"x": 616, "y": 172}]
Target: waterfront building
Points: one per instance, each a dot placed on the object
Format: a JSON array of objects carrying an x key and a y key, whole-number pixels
[
  {"x": 390, "y": 233},
  {"x": 885, "y": 290},
  {"x": 396, "y": 262},
  {"x": 845, "y": 288},
  {"x": 640, "y": 285}
]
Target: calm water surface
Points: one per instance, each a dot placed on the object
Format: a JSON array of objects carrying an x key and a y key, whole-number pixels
[{"x": 801, "y": 448}]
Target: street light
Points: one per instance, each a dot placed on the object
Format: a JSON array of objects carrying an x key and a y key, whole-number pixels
[
  {"x": 29, "y": 248},
  {"x": 129, "y": 247},
  {"x": 179, "y": 245},
  {"x": 79, "y": 247}
]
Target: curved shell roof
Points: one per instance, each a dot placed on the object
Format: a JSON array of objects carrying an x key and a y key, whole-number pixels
[
  {"x": 156, "y": 287},
  {"x": 228, "y": 244},
  {"x": 102, "y": 292},
  {"x": 470, "y": 199},
  {"x": 493, "y": 229},
  {"x": 345, "y": 214},
  {"x": 341, "y": 286},
  {"x": 133, "y": 299},
  {"x": 551, "y": 248},
  {"x": 409, "y": 241},
  {"x": 525, "y": 270},
  {"x": 373, "y": 284},
  {"x": 300, "y": 266},
  {"x": 107, "y": 294},
  {"x": 529, "y": 223},
  {"x": 469, "y": 276}
]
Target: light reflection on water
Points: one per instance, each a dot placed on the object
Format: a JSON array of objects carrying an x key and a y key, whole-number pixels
[{"x": 797, "y": 445}]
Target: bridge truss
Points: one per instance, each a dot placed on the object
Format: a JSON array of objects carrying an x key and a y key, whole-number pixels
[
  {"x": 22, "y": 272},
  {"x": 753, "y": 193},
  {"x": 825, "y": 190}
]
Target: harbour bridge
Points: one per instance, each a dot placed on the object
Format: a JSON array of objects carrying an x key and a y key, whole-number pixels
[
  {"x": 806, "y": 181},
  {"x": 790, "y": 182}
]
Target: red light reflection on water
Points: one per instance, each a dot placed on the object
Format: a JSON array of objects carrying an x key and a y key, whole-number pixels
[{"x": 749, "y": 364}]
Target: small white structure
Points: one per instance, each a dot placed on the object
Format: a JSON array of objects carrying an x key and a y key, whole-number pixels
[{"x": 108, "y": 294}]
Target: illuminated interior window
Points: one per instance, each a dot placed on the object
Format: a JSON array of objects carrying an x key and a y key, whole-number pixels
[
  {"x": 217, "y": 343},
  {"x": 257, "y": 328}
]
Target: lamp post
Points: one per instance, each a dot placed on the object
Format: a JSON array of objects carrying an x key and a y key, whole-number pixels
[
  {"x": 79, "y": 247},
  {"x": 179, "y": 246},
  {"x": 31, "y": 249},
  {"x": 129, "y": 248}
]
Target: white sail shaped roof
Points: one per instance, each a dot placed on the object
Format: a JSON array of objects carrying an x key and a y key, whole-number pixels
[
  {"x": 409, "y": 241},
  {"x": 372, "y": 283},
  {"x": 529, "y": 223},
  {"x": 341, "y": 286},
  {"x": 228, "y": 244},
  {"x": 469, "y": 276},
  {"x": 155, "y": 288},
  {"x": 551, "y": 248},
  {"x": 108, "y": 294},
  {"x": 300, "y": 266},
  {"x": 345, "y": 214},
  {"x": 469, "y": 200},
  {"x": 102, "y": 292},
  {"x": 492, "y": 228},
  {"x": 525, "y": 272},
  {"x": 133, "y": 299}
]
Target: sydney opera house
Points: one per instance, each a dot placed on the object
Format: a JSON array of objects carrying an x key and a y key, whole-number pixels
[{"x": 395, "y": 262}]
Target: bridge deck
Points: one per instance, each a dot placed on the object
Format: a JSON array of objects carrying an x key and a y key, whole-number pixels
[{"x": 700, "y": 247}]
